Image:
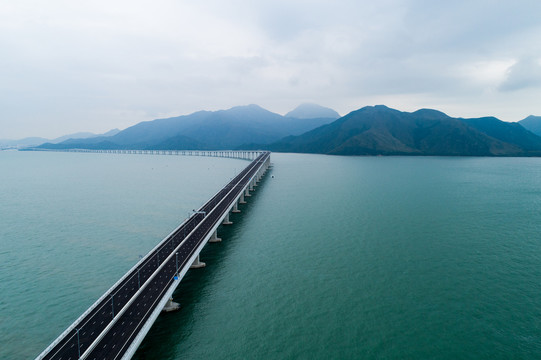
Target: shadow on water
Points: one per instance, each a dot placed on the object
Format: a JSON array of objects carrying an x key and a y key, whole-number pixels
[{"x": 172, "y": 328}]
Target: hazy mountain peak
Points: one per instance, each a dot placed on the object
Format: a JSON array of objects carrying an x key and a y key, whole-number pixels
[
  {"x": 532, "y": 123},
  {"x": 312, "y": 111},
  {"x": 79, "y": 135},
  {"x": 111, "y": 132},
  {"x": 247, "y": 107},
  {"x": 250, "y": 110}
]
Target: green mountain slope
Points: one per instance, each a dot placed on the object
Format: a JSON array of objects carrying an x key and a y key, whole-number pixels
[
  {"x": 512, "y": 133},
  {"x": 379, "y": 130}
]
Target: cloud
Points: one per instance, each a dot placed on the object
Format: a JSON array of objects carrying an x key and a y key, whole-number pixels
[
  {"x": 525, "y": 73},
  {"x": 90, "y": 66}
]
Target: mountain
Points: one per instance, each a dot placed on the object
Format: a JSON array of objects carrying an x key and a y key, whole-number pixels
[
  {"x": 29, "y": 141},
  {"x": 36, "y": 141},
  {"x": 312, "y": 111},
  {"x": 79, "y": 135},
  {"x": 532, "y": 123},
  {"x": 372, "y": 130},
  {"x": 111, "y": 132},
  {"x": 512, "y": 133},
  {"x": 379, "y": 130},
  {"x": 223, "y": 129},
  {"x": 180, "y": 142},
  {"x": 83, "y": 135}
]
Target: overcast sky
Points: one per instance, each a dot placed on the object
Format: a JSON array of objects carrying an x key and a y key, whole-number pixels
[{"x": 69, "y": 66}]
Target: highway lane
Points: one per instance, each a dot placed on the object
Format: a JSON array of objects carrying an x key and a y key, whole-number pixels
[
  {"x": 78, "y": 340},
  {"x": 92, "y": 324},
  {"x": 96, "y": 321}
]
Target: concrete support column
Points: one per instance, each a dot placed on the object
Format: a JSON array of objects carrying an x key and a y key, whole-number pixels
[
  {"x": 170, "y": 305},
  {"x": 226, "y": 220},
  {"x": 197, "y": 264},
  {"x": 214, "y": 238},
  {"x": 241, "y": 201},
  {"x": 235, "y": 208},
  {"x": 247, "y": 192},
  {"x": 252, "y": 185}
]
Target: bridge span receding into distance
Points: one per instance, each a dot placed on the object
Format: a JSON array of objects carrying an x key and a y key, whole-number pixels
[
  {"x": 232, "y": 154},
  {"x": 116, "y": 324}
]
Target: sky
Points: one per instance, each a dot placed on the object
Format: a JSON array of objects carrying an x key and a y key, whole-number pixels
[{"x": 68, "y": 66}]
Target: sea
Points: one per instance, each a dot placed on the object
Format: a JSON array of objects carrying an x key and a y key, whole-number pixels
[{"x": 331, "y": 258}]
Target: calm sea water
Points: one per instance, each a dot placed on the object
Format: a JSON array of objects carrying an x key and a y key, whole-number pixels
[{"x": 333, "y": 257}]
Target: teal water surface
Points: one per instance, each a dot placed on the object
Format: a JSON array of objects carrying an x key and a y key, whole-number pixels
[
  {"x": 332, "y": 258},
  {"x": 371, "y": 258},
  {"x": 72, "y": 224}
]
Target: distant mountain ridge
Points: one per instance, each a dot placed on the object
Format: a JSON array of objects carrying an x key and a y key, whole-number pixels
[
  {"x": 372, "y": 130},
  {"x": 214, "y": 130},
  {"x": 379, "y": 130},
  {"x": 35, "y": 141},
  {"x": 532, "y": 123}
]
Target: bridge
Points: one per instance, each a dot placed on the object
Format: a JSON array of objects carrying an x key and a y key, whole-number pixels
[
  {"x": 234, "y": 154},
  {"x": 115, "y": 325}
]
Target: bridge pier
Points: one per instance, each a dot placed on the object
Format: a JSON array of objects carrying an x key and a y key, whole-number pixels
[
  {"x": 197, "y": 264},
  {"x": 241, "y": 201},
  {"x": 226, "y": 220},
  {"x": 170, "y": 305},
  {"x": 235, "y": 208},
  {"x": 261, "y": 173},
  {"x": 214, "y": 238},
  {"x": 247, "y": 192}
]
